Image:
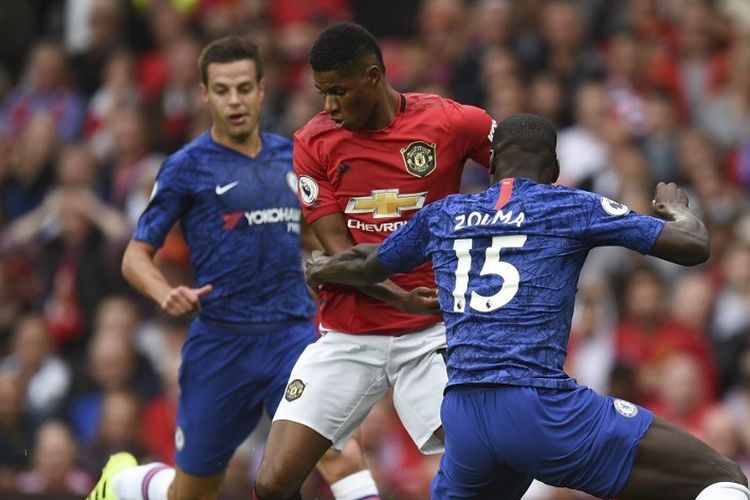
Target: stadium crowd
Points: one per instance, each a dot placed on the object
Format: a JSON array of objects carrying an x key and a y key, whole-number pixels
[{"x": 95, "y": 93}]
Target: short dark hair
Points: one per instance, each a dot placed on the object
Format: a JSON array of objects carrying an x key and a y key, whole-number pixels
[
  {"x": 229, "y": 49},
  {"x": 341, "y": 46},
  {"x": 526, "y": 132},
  {"x": 525, "y": 137}
]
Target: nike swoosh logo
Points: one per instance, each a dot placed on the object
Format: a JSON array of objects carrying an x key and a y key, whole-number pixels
[{"x": 223, "y": 189}]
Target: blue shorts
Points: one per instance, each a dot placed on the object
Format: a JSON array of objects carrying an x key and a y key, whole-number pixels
[
  {"x": 498, "y": 439},
  {"x": 228, "y": 374}
]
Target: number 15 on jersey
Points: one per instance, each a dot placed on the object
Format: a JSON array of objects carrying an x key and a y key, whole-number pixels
[{"x": 492, "y": 265}]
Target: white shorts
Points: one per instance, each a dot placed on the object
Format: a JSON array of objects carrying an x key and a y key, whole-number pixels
[{"x": 339, "y": 378}]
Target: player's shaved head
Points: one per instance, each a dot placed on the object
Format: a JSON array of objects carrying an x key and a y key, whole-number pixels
[
  {"x": 343, "y": 47},
  {"x": 524, "y": 146}
]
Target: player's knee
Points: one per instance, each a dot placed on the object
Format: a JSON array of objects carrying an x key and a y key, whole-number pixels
[
  {"x": 737, "y": 475},
  {"x": 270, "y": 484},
  {"x": 730, "y": 471}
]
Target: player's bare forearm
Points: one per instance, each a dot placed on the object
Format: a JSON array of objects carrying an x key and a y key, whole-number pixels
[
  {"x": 139, "y": 270},
  {"x": 421, "y": 300},
  {"x": 387, "y": 291},
  {"x": 333, "y": 234},
  {"x": 684, "y": 239},
  {"x": 358, "y": 265}
]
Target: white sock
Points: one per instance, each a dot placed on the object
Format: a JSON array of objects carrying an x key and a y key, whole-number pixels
[
  {"x": 145, "y": 482},
  {"x": 724, "y": 491},
  {"x": 355, "y": 486}
]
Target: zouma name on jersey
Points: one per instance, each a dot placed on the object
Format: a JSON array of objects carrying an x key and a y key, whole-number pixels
[{"x": 507, "y": 263}]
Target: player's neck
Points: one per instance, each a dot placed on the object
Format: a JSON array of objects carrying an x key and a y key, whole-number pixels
[
  {"x": 522, "y": 173},
  {"x": 522, "y": 168},
  {"x": 250, "y": 146},
  {"x": 386, "y": 109}
]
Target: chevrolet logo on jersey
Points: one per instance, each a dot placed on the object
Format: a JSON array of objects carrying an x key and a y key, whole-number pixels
[{"x": 383, "y": 203}]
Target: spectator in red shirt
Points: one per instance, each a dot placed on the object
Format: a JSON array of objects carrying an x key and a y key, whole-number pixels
[{"x": 646, "y": 334}]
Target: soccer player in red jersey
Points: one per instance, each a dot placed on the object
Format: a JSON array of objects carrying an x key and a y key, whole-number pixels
[{"x": 365, "y": 165}]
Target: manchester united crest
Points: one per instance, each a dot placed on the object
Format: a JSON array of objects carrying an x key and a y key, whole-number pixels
[
  {"x": 294, "y": 390},
  {"x": 420, "y": 158}
]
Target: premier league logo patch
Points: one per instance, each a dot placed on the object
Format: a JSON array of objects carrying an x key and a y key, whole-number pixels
[
  {"x": 625, "y": 408},
  {"x": 294, "y": 390},
  {"x": 308, "y": 190},
  {"x": 614, "y": 208},
  {"x": 419, "y": 158}
]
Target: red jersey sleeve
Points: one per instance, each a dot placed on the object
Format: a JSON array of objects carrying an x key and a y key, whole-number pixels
[
  {"x": 474, "y": 130},
  {"x": 313, "y": 186}
]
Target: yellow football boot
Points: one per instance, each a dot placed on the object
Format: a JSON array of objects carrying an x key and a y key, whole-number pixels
[{"x": 116, "y": 463}]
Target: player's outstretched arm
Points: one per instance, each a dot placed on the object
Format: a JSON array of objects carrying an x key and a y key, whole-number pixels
[
  {"x": 333, "y": 234},
  {"x": 358, "y": 265},
  {"x": 139, "y": 269},
  {"x": 684, "y": 238}
]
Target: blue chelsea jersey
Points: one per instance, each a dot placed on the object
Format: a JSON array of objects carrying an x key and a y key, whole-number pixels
[
  {"x": 241, "y": 219},
  {"x": 507, "y": 263}
]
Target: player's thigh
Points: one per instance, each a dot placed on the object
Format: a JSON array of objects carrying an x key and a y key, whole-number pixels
[
  {"x": 187, "y": 487},
  {"x": 470, "y": 467},
  {"x": 334, "y": 384},
  {"x": 292, "y": 342},
  {"x": 221, "y": 399},
  {"x": 501, "y": 484},
  {"x": 672, "y": 463},
  {"x": 417, "y": 368},
  {"x": 571, "y": 438}
]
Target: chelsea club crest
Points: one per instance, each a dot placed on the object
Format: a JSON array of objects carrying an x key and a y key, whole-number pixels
[{"x": 625, "y": 408}]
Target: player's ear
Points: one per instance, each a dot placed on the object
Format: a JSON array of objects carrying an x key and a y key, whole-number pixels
[
  {"x": 204, "y": 93},
  {"x": 262, "y": 88},
  {"x": 556, "y": 173},
  {"x": 373, "y": 75}
]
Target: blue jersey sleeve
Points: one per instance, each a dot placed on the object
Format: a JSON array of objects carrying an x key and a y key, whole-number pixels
[
  {"x": 408, "y": 246},
  {"x": 169, "y": 199},
  {"x": 613, "y": 224}
]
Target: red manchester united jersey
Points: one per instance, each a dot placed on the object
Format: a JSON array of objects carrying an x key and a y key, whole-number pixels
[{"x": 378, "y": 179}]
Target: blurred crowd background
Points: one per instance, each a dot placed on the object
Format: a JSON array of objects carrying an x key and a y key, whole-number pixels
[{"x": 95, "y": 93}]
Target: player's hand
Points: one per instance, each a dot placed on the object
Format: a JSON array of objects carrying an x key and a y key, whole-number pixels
[
  {"x": 669, "y": 200},
  {"x": 314, "y": 262},
  {"x": 421, "y": 300},
  {"x": 316, "y": 257},
  {"x": 182, "y": 299}
]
